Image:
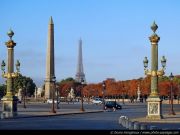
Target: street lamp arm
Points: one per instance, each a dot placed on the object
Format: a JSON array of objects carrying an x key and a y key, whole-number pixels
[
  {"x": 161, "y": 72},
  {"x": 10, "y": 75},
  {"x": 147, "y": 72}
]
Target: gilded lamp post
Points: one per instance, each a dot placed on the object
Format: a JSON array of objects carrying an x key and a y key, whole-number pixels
[
  {"x": 154, "y": 110},
  {"x": 9, "y": 101}
]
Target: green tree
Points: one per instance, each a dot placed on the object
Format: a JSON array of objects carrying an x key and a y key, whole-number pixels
[
  {"x": 69, "y": 79},
  {"x": 163, "y": 78},
  {"x": 2, "y": 90},
  {"x": 24, "y": 83}
]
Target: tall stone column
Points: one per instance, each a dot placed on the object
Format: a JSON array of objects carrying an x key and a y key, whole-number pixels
[{"x": 50, "y": 69}]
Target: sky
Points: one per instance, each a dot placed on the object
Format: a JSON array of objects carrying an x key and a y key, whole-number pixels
[{"x": 115, "y": 36}]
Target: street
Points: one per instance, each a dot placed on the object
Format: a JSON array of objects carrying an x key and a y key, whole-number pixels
[{"x": 107, "y": 120}]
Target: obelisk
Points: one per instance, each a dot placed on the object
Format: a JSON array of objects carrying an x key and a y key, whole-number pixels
[
  {"x": 80, "y": 72},
  {"x": 50, "y": 72}
]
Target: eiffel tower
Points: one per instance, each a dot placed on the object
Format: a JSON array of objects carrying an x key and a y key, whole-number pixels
[{"x": 80, "y": 73}]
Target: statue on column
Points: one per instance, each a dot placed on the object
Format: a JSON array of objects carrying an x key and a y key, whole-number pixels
[
  {"x": 138, "y": 94},
  {"x": 71, "y": 94}
]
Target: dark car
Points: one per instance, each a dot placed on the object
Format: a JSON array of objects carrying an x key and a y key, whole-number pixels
[{"x": 112, "y": 105}]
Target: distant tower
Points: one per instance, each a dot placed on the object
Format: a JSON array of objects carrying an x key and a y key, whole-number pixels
[
  {"x": 80, "y": 73},
  {"x": 50, "y": 61}
]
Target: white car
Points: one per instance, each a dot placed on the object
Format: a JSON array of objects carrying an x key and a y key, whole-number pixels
[
  {"x": 97, "y": 101},
  {"x": 50, "y": 101}
]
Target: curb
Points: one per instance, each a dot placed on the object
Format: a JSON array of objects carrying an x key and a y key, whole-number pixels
[{"x": 51, "y": 114}]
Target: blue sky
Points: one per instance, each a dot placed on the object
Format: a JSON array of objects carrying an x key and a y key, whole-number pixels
[{"x": 114, "y": 33}]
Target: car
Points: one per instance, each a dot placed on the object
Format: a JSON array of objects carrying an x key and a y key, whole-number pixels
[
  {"x": 112, "y": 105},
  {"x": 97, "y": 101},
  {"x": 50, "y": 101}
]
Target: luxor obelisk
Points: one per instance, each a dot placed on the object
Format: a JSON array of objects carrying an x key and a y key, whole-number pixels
[{"x": 50, "y": 69}]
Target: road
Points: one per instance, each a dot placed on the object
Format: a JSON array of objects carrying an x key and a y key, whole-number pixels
[
  {"x": 88, "y": 121},
  {"x": 107, "y": 120}
]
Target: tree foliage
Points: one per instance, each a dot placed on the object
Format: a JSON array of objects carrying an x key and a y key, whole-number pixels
[
  {"x": 24, "y": 83},
  {"x": 2, "y": 90},
  {"x": 127, "y": 88}
]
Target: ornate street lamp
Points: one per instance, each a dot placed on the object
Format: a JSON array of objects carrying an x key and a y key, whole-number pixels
[
  {"x": 154, "y": 110},
  {"x": 179, "y": 93},
  {"x": 57, "y": 97},
  {"x": 171, "y": 94},
  {"x": 103, "y": 92},
  {"x": 82, "y": 84},
  {"x": 53, "y": 93},
  {"x": 24, "y": 95},
  {"x": 123, "y": 94},
  {"x": 9, "y": 101}
]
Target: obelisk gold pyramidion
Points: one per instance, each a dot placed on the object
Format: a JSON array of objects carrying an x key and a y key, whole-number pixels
[
  {"x": 50, "y": 72},
  {"x": 9, "y": 101}
]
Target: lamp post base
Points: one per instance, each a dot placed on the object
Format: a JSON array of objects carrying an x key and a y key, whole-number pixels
[
  {"x": 82, "y": 110},
  {"x": 53, "y": 111},
  {"x": 9, "y": 107},
  {"x": 154, "y": 108},
  {"x": 172, "y": 113}
]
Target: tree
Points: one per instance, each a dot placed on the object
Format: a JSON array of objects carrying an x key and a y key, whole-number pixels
[
  {"x": 24, "y": 83},
  {"x": 65, "y": 86},
  {"x": 2, "y": 90}
]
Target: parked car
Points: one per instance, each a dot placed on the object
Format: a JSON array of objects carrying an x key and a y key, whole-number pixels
[
  {"x": 97, "y": 101},
  {"x": 112, "y": 105}
]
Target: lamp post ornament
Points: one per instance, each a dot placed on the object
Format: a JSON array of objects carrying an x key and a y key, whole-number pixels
[
  {"x": 9, "y": 101},
  {"x": 154, "y": 110}
]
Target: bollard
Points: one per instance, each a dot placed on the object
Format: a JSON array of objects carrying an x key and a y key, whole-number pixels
[
  {"x": 121, "y": 119},
  {"x": 136, "y": 126},
  {"x": 3, "y": 115},
  {"x": 131, "y": 125},
  {"x": 127, "y": 122},
  {"x": 153, "y": 127},
  {"x": 123, "y": 122},
  {"x": 143, "y": 127}
]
